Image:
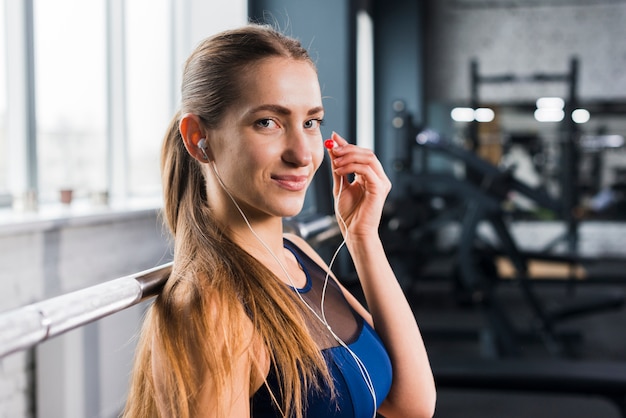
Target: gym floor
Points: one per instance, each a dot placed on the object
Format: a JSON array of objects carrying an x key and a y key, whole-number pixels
[
  {"x": 602, "y": 336},
  {"x": 449, "y": 329}
]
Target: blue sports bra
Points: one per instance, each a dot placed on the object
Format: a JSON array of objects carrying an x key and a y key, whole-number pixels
[{"x": 353, "y": 398}]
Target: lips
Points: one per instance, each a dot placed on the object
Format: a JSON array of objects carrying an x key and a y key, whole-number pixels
[{"x": 291, "y": 183}]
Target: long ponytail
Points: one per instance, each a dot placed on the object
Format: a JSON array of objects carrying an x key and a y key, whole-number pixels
[
  {"x": 194, "y": 329},
  {"x": 214, "y": 282}
]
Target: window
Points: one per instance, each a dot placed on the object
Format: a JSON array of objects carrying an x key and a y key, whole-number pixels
[
  {"x": 76, "y": 96},
  {"x": 87, "y": 89},
  {"x": 70, "y": 81},
  {"x": 4, "y": 151},
  {"x": 148, "y": 93}
]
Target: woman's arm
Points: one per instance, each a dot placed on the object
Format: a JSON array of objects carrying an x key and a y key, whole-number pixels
[
  {"x": 248, "y": 369},
  {"x": 236, "y": 396},
  {"x": 412, "y": 392},
  {"x": 359, "y": 210}
]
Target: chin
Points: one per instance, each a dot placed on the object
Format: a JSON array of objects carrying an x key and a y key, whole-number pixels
[
  {"x": 291, "y": 214},
  {"x": 291, "y": 211}
]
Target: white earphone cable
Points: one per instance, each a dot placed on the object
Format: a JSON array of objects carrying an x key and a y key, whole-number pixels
[{"x": 322, "y": 318}]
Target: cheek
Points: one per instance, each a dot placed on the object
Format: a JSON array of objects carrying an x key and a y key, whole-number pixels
[
  {"x": 262, "y": 158},
  {"x": 318, "y": 156}
]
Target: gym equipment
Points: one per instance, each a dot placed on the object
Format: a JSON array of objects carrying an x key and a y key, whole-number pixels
[
  {"x": 481, "y": 201},
  {"x": 569, "y": 152}
]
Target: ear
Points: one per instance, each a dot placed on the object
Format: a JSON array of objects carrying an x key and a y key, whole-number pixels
[{"x": 191, "y": 130}]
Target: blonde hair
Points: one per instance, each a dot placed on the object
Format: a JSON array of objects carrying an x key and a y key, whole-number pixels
[{"x": 215, "y": 283}]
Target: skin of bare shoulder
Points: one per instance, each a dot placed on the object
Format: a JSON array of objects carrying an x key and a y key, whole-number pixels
[{"x": 249, "y": 371}]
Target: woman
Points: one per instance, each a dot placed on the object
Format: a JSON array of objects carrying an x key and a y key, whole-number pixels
[{"x": 251, "y": 322}]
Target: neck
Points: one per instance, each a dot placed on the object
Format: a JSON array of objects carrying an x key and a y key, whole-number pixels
[
  {"x": 260, "y": 234},
  {"x": 258, "y": 238},
  {"x": 267, "y": 247}
]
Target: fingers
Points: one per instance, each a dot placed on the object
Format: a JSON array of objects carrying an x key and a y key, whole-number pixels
[
  {"x": 344, "y": 153},
  {"x": 349, "y": 159},
  {"x": 339, "y": 140}
]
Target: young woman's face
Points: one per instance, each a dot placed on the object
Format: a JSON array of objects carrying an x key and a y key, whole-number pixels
[{"x": 269, "y": 144}]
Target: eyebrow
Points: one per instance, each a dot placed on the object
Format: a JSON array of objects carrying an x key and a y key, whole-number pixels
[{"x": 283, "y": 110}]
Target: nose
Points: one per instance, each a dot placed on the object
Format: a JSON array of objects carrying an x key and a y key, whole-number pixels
[{"x": 298, "y": 151}]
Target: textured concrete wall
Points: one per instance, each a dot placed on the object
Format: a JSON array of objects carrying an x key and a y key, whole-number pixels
[
  {"x": 525, "y": 37},
  {"x": 85, "y": 371}
]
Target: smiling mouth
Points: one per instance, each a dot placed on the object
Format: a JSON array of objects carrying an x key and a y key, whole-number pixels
[{"x": 291, "y": 183}]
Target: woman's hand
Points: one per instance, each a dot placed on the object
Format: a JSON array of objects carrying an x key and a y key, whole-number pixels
[{"x": 360, "y": 203}]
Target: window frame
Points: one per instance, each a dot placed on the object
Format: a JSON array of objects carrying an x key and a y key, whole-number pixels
[
  {"x": 20, "y": 127},
  {"x": 22, "y": 162},
  {"x": 190, "y": 21}
]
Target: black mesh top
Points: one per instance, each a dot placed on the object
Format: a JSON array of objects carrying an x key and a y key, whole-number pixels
[{"x": 354, "y": 397}]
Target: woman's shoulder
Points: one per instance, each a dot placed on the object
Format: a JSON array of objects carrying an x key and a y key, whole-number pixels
[{"x": 296, "y": 239}]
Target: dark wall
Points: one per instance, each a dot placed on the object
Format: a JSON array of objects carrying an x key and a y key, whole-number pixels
[
  {"x": 398, "y": 68},
  {"x": 325, "y": 28}
]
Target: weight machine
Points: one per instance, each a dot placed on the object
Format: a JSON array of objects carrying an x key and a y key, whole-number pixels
[
  {"x": 569, "y": 150},
  {"x": 479, "y": 199}
]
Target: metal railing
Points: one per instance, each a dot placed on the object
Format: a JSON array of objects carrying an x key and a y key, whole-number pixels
[
  {"x": 24, "y": 327},
  {"x": 30, "y": 325}
]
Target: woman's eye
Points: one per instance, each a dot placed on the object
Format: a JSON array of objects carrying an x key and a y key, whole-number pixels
[
  {"x": 265, "y": 123},
  {"x": 313, "y": 123}
]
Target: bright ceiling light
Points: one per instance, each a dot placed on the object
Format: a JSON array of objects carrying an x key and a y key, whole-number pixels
[
  {"x": 484, "y": 114},
  {"x": 550, "y": 103},
  {"x": 462, "y": 114},
  {"x": 581, "y": 116},
  {"x": 549, "y": 115}
]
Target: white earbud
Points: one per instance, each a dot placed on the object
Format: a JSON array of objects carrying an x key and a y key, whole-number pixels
[{"x": 203, "y": 145}]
